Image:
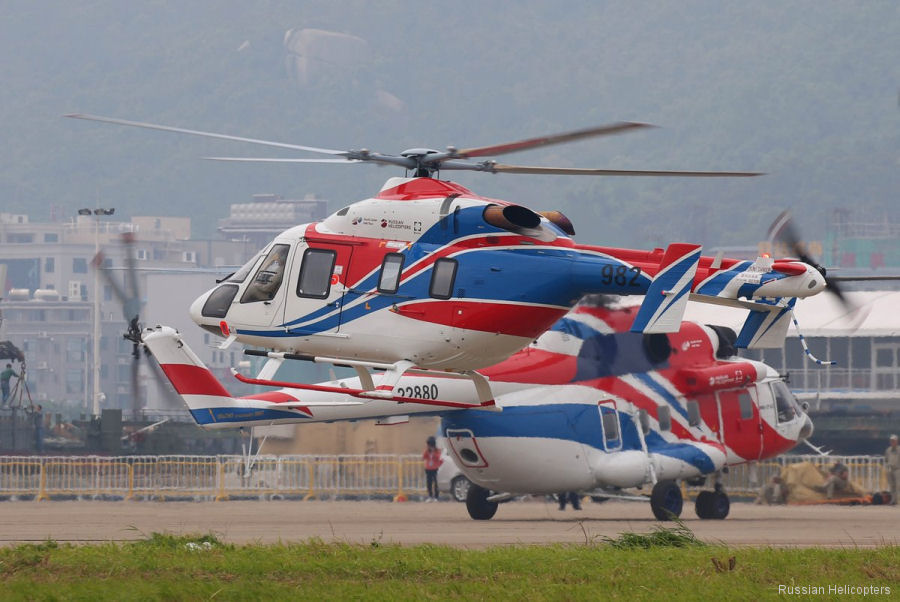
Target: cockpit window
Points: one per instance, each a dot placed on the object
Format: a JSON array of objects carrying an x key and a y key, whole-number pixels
[
  {"x": 783, "y": 401},
  {"x": 315, "y": 273},
  {"x": 242, "y": 273},
  {"x": 268, "y": 277}
]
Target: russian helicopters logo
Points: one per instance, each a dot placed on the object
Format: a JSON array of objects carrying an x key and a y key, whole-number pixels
[{"x": 692, "y": 344}]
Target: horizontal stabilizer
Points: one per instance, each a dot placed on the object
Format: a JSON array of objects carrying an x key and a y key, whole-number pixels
[{"x": 666, "y": 299}]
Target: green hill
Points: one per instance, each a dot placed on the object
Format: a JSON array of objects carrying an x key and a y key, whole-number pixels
[{"x": 805, "y": 91}]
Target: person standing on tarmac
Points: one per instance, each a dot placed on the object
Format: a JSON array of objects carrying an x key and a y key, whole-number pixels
[
  {"x": 4, "y": 381},
  {"x": 892, "y": 466},
  {"x": 433, "y": 461},
  {"x": 570, "y": 497}
]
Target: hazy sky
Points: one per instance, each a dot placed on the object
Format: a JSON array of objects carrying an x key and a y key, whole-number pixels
[{"x": 805, "y": 91}]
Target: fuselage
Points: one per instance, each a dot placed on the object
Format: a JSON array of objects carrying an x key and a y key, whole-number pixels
[
  {"x": 587, "y": 405},
  {"x": 431, "y": 273},
  {"x": 605, "y": 410}
]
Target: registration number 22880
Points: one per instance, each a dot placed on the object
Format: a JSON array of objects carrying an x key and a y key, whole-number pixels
[{"x": 418, "y": 391}]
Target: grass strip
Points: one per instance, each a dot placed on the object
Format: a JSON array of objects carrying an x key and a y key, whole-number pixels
[{"x": 665, "y": 564}]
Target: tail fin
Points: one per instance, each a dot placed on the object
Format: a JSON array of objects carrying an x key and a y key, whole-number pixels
[
  {"x": 766, "y": 328},
  {"x": 192, "y": 380},
  {"x": 666, "y": 299}
]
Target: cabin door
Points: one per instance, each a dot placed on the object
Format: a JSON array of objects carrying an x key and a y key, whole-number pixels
[
  {"x": 741, "y": 429},
  {"x": 318, "y": 289}
]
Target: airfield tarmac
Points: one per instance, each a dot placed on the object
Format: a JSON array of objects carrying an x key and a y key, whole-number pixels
[{"x": 408, "y": 523}]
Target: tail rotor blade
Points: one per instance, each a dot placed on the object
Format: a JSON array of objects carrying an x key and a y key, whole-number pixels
[
  {"x": 114, "y": 285},
  {"x": 136, "y": 405},
  {"x": 132, "y": 305}
]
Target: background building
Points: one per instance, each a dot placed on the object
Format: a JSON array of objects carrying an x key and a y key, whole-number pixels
[{"x": 47, "y": 297}]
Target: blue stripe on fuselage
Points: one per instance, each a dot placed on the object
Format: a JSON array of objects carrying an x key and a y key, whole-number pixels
[
  {"x": 484, "y": 274},
  {"x": 242, "y": 414},
  {"x": 661, "y": 390},
  {"x": 570, "y": 422}
]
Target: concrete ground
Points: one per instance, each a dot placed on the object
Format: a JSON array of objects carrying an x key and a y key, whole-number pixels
[{"x": 362, "y": 522}]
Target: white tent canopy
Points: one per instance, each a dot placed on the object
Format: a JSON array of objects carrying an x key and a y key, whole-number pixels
[{"x": 877, "y": 314}]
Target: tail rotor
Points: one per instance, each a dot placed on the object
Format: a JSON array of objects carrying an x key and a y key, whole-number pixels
[{"x": 129, "y": 298}]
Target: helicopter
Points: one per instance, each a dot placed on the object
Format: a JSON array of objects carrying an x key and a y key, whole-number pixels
[
  {"x": 429, "y": 276},
  {"x": 588, "y": 407}
]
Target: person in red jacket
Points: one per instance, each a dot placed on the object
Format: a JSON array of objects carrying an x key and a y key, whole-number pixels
[{"x": 433, "y": 461}]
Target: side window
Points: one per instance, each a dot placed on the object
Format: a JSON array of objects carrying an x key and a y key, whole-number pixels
[
  {"x": 442, "y": 278},
  {"x": 644, "y": 421},
  {"x": 268, "y": 277},
  {"x": 693, "y": 409},
  {"x": 665, "y": 418},
  {"x": 315, "y": 273},
  {"x": 391, "y": 268},
  {"x": 746, "y": 405},
  {"x": 609, "y": 420}
]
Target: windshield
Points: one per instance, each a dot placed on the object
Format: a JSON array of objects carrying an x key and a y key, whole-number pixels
[
  {"x": 241, "y": 274},
  {"x": 784, "y": 401},
  {"x": 268, "y": 278}
]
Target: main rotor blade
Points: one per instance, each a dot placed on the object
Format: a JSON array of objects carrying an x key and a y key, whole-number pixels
[
  {"x": 861, "y": 278},
  {"x": 521, "y": 145},
  {"x": 166, "y": 128},
  {"x": 577, "y": 171},
  {"x": 279, "y": 160},
  {"x": 352, "y": 157}
]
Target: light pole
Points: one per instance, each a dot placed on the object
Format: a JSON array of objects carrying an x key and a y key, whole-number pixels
[{"x": 96, "y": 393}]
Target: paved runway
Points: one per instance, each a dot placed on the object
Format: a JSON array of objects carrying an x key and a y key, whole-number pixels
[{"x": 524, "y": 522}]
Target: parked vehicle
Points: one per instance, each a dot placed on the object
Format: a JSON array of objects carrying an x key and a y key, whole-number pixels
[{"x": 449, "y": 478}]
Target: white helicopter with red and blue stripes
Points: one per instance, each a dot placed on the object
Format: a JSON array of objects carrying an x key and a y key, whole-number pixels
[
  {"x": 429, "y": 276},
  {"x": 589, "y": 407}
]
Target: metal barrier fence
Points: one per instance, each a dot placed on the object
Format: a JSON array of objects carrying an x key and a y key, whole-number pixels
[
  {"x": 213, "y": 477},
  {"x": 221, "y": 477}
]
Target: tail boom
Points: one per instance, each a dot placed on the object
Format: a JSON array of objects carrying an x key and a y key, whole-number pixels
[{"x": 212, "y": 406}]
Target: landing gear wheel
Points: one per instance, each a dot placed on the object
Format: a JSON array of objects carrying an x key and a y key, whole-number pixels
[
  {"x": 666, "y": 501},
  {"x": 459, "y": 488},
  {"x": 478, "y": 505},
  {"x": 712, "y": 504}
]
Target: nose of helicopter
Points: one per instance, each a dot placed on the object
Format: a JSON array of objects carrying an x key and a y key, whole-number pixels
[
  {"x": 806, "y": 430},
  {"x": 197, "y": 308}
]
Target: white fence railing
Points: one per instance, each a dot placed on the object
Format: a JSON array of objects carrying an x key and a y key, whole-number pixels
[
  {"x": 217, "y": 477},
  {"x": 221, "y": 477}
]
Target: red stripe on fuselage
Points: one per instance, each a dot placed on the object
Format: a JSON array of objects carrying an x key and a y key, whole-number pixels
[
  {"x": 535, "y": 366},
  {"x": 484, "y": 316},
  {"x": 273, "y": 396},
  {"x": 278, "y": 397},
  {"x": 429, "y": 188},
  {"x": 193, "y": 380}
]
